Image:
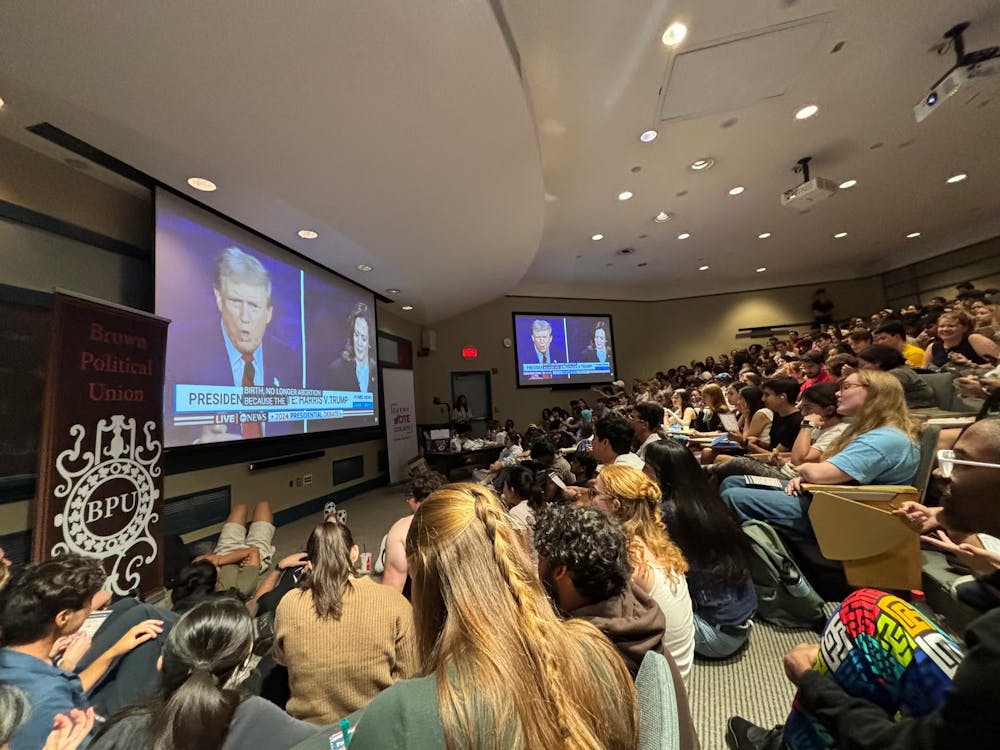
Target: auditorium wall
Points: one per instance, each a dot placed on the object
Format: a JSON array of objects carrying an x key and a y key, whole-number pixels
[{"x": 648, "y": 336}]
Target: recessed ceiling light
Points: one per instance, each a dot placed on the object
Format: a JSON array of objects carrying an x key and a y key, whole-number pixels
[
  {"x": 392, "y": 291},
  {"x": 956, "y": 178},
  {"x": 648, "y": 136},
  {"x": 407, "y": 307},
  {"x": 364, "y": 267},
  {"x": 806, "y": 112},
  {"x": 308, "y": 234},
  {"x": 839, "y": 235},
  {"x": 912, "y": 235},
  {"x": 661, "y": 217},
  {"x": 624, "y": 195},
  {"x": 550, "y": 198},
  {"x": 683, "y": 236},
  {"x": 736, "y": 190},
  {"x": 847, "y": 184},
  {"x": 763, "y": 235},
  {"x": 701, "y": 164},
  {"x": 1, "y": 103},
  {"x": 200, "y": 183},
  {"x": 702, "y": 268},
  {"x": 674, "y": 34},
  {"x": 597, "y": 237},
  {"x": 762, "y": 269}
]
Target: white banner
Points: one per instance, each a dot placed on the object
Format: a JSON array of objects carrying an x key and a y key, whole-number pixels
[{"x": 400, "y": 421}]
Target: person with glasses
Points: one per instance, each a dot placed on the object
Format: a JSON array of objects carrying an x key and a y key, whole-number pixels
[
  {"x": 883, "y": 676},
  {"x": 878, "y": 447}
]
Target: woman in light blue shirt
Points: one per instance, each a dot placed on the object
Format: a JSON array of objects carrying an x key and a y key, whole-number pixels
[{"x": 879, "y": 447}]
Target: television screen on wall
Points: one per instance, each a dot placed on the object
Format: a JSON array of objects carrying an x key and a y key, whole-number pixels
[
  {"x": 563, "y": 349},
  {"x": 262, "y": 342}
]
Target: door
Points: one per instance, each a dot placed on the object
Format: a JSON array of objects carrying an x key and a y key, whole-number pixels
[{"x": 475, "y": 386}]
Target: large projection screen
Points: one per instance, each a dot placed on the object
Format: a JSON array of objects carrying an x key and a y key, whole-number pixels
[{"x": 262, "y": 343}]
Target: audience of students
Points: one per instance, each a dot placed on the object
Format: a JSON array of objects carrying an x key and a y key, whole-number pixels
[
  {"x": 583, "y": 563},
  {"x": 499, "y": 668},
  {"x": 50, "y": 601},
  {"x": 884, "y": 677},
  {"x": 343, "y": 637},
  {"x": 716, "y": 551},
  {"x": 204, "y": 661},
  {"x": 657, "y": 564},
  {"x": 878, "y": 447},
  {"x": 644, "y": 555}
]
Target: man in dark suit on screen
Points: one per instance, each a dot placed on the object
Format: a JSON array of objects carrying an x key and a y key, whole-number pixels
[{"x": 246, "y": 356}]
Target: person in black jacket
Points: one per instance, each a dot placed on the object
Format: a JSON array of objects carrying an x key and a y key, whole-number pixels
[{"x": 848, "y": 696}]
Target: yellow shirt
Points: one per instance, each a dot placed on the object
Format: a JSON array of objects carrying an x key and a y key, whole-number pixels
[{"x": 914, "y": 355}]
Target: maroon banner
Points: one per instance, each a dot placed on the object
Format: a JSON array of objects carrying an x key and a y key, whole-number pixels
[{"x": 100, "y": 478}]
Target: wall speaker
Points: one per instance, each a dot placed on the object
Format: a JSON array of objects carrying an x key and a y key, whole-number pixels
[{"x": 429, "y": 339}]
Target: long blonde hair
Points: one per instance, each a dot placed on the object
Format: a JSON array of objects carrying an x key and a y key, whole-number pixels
[
  {"x": 714, "y": 398},
  {"x": 884, "y": 406},
  {"x": 509, "y": 673},
  {"x": 639, "y": 513}
]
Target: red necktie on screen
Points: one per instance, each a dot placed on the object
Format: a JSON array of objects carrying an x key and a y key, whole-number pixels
[{"x": 250, "y": 429}]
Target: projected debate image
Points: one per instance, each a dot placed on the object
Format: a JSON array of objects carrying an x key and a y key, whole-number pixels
[
  {"x": 554, "y": 349},
  {"x": 262, "y": 343}
]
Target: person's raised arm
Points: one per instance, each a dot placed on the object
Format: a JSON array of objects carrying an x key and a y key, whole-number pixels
[
  {"x": 984, "y": 346},
  {"x": 136, "y": 636},
  {"x": 802, "y": 448}
]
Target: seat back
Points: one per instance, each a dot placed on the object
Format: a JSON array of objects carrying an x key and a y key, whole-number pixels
[
  {"x": 928, "y": 450},
  {"x": 659, "y": 725},
  {"x": 947, "y": 397}
]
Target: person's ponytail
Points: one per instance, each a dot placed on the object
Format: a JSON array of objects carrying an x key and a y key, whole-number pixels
[
  {"x": 196, "y": 715},
  {"x": 204, "y": 659}
]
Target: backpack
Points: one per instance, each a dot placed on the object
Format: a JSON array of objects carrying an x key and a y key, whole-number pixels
[{"x": 784, "y": 596}]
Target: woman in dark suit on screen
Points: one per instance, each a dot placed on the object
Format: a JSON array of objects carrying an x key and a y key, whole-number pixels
[
  {"x": 599, "y": 348},
  {"x": 355, "y": 369}
]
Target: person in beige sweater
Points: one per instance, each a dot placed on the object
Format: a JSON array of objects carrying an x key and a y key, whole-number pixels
[{"x": 343, "y": 637}]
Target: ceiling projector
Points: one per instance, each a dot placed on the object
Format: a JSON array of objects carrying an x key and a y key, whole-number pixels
[
  {"x": 968, "y": 67},
  {"x": 809, "y": 191}
]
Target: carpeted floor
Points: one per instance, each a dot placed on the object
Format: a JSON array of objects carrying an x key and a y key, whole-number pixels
[{"x": 751, "y": 684}]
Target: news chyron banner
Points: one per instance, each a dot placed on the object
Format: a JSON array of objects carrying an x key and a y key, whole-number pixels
[
  {"x": 401, "y": 421},
  {"x": 241, "y": 405},
  {"x": 100, "y": 477}
]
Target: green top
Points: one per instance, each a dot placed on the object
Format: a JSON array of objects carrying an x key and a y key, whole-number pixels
[{"x": 404, "y": 715}]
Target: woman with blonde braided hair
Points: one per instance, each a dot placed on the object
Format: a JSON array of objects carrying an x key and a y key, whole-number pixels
[
  {"x": 500, "y": 669},
  {"x": 657, "y": 563}
]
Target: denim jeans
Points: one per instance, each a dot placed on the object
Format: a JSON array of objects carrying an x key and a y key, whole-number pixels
[
  {"x": 771, "y": 506},
  {"x": 711, "y": 643}
]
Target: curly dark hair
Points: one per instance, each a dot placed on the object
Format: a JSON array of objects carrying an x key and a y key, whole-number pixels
[
  {"x": 30, "y": 602},
  {"x": 590, "y": 544},
  {"x": 424, "y": 484}
]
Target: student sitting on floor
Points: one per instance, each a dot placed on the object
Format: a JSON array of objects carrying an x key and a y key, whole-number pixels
[
  {"x": 883, "y": 676},
  {"x": 205, "y": 659},
  {"x": 877, "y": 448},
  {"x": 583, "y": 565},
  {"x": 342, "y": 636},
  {"x": 242, "y": 553},
  {"x": 51, "y": 600}
]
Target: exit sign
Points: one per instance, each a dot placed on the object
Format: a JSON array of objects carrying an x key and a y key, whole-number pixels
[{"x": 470, "y": 352}]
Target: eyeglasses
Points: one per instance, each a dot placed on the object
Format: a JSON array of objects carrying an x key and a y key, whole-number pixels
[
  {"x": 946, "y": 463},
  {"x": 845, "y": 386}
]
